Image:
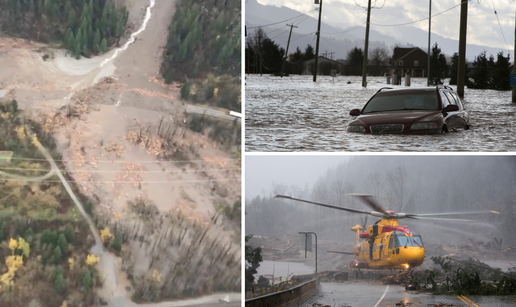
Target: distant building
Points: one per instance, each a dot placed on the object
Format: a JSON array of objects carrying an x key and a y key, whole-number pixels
[
  {"x": 324, "y": 66},
  {"x": 412, "y": 61}
]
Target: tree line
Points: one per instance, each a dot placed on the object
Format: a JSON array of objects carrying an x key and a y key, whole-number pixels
[
  {"x": 203, "y": 51},
  {"x": 82, "y": 27},
  {"x": 263, "y": 55},
  {"x": 203, "y": 38},
  {"x": 485, "y": 73}
]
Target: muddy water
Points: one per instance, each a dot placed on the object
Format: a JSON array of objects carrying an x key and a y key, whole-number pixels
[{"x": 296, "y": 114}]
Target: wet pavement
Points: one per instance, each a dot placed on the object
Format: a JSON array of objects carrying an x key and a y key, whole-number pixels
[
  {"x": 361, "y": 294},
  {"x": 296, "y": 114}
]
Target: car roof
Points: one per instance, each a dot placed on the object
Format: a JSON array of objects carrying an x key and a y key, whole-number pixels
[{"x": 387, "y": 91}]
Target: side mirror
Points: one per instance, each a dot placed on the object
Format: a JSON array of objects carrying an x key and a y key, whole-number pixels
[
  {"x": 354, "y": 112},
  {"x": 451, "y": 108}
]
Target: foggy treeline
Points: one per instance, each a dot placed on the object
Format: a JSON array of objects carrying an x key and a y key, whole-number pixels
[{"x": 409, "y": 184}]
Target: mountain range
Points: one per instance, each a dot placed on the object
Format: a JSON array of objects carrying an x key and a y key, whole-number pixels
[{"x": 338, "y": 38}]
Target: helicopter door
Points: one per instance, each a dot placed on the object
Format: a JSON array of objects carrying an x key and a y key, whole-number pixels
[{"x": 376, "y": 250}]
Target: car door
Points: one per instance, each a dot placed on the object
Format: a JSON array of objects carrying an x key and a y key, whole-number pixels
[
  {"x": 451, "y": 117},
  {"x": 462, "y": 111}
]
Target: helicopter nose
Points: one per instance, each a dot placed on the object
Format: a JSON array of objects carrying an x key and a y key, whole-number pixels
[{"x": 414, "y": 255}]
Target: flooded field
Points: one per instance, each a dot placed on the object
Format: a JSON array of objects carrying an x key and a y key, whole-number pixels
[{"x": 296, "y": 114}]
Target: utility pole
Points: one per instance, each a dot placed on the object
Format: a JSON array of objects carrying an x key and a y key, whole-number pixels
[
  {"x": 318, "y": 38},
  {"x": 286, "y": 53},
  {"x": 461, "y": 69},
  {"x": 514, "y": 66},
  {"x": 366, "y": 48},
  {"x": 429, "y": 32}
]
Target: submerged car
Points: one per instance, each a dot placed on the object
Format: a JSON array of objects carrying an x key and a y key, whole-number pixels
[{"x": 415, "y": 110}]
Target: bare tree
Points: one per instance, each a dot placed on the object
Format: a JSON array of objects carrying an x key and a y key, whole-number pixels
[
  {"x": 257, "y": 39},
  {"x": 378, "y": 56},
  {"x": 397, "y": 180},
  {"x": 338, "y": 189}
]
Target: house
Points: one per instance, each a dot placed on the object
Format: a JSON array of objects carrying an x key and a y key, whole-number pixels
[
  {"x": 412, "y": 61},
  {"x": 324, "y": 66}
]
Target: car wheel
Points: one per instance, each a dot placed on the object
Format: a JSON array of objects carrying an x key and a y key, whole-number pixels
[
  {"x": 445, "y": 129},
  {"x": 467, "y": 127}
]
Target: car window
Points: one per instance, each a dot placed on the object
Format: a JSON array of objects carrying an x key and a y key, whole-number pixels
[
  {"x": 402, "y": 101},
  {"x": 444, "y": 99},
  {"x": 450, "y": 97},
  {"x": 459, "y": 102}
]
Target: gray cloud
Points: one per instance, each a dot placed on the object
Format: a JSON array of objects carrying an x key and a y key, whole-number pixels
[
  {"x": 483, "y": 28},
  {"x": 300, "y": 170}
]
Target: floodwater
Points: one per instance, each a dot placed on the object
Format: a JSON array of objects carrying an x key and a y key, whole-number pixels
[{"x": 296, "y": 114}]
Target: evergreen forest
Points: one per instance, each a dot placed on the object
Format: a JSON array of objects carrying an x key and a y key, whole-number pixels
[
  {"x": 203, "y": 50},
  {"x": 83, "y": 27}
]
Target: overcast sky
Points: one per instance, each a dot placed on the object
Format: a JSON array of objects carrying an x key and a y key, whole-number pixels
[
  {"x": 483, "y": 28},
  {"x": 262, "y": 171}
]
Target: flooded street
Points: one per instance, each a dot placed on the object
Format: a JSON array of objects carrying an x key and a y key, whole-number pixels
[{"x": 296, "y": 114}]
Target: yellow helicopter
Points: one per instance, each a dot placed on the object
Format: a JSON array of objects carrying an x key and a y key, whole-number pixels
[{"x": 386, "y": 245}]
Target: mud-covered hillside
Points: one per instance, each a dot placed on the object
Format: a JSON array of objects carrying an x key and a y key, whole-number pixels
[{"x": 81, "y": 26}]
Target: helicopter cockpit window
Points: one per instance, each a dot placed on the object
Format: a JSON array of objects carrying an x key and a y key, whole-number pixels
[
  {"x": 403, "y": 241},
  {"x": 409, "y": 241},
  {"x": 417, "y": 241},
  {"x": 391, "y": 242}
]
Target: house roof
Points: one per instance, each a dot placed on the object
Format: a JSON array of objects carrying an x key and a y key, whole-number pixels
[
  {"x": 405, "y": 51},
  {"x": 325, "y": 58}
]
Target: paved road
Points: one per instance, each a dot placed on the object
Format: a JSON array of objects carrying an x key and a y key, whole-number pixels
[{"x": 363, "y": 294}]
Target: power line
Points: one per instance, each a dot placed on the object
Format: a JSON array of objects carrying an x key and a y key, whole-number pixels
[
  {"x": 280, "y": 34},
  {"x": 411, "y": 22},
  {"x": 347, "y": 30},
  {"x": 373, "y": 6},
  {"x": 117, "y": 181},
  {"x": 122, "y": 161},
  {"x": 271, "y": 24},
  {"x": 496, "y": 14},
  {"x": 97, "y": 171}
]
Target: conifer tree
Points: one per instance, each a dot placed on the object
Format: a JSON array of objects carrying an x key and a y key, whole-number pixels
[
  {"x": 96, "y": 41},
  {"x": 502, "y": 72},
  {"x": 86, "y": 280},
  {"x": 103, "y": 45},
  {"x": 59, "y": 283}
]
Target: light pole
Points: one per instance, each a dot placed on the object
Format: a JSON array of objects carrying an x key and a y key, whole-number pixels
[
  {"x": 366, "y": 46},
  {"x": 306, "y": 239},
  {"x": 429, "y": 32},
  {"x": 318, "y": 38},
  {"x": 514, "y": 66}
]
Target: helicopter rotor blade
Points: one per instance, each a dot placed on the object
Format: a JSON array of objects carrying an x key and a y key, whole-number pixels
[
  {"x": 438, "y": 218},
  {"x": 369, "y": 200},
  {"x": 452, "y": 213},
  {"x": 337, "y": 252},
  {"x": 323, "y": 205}
]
